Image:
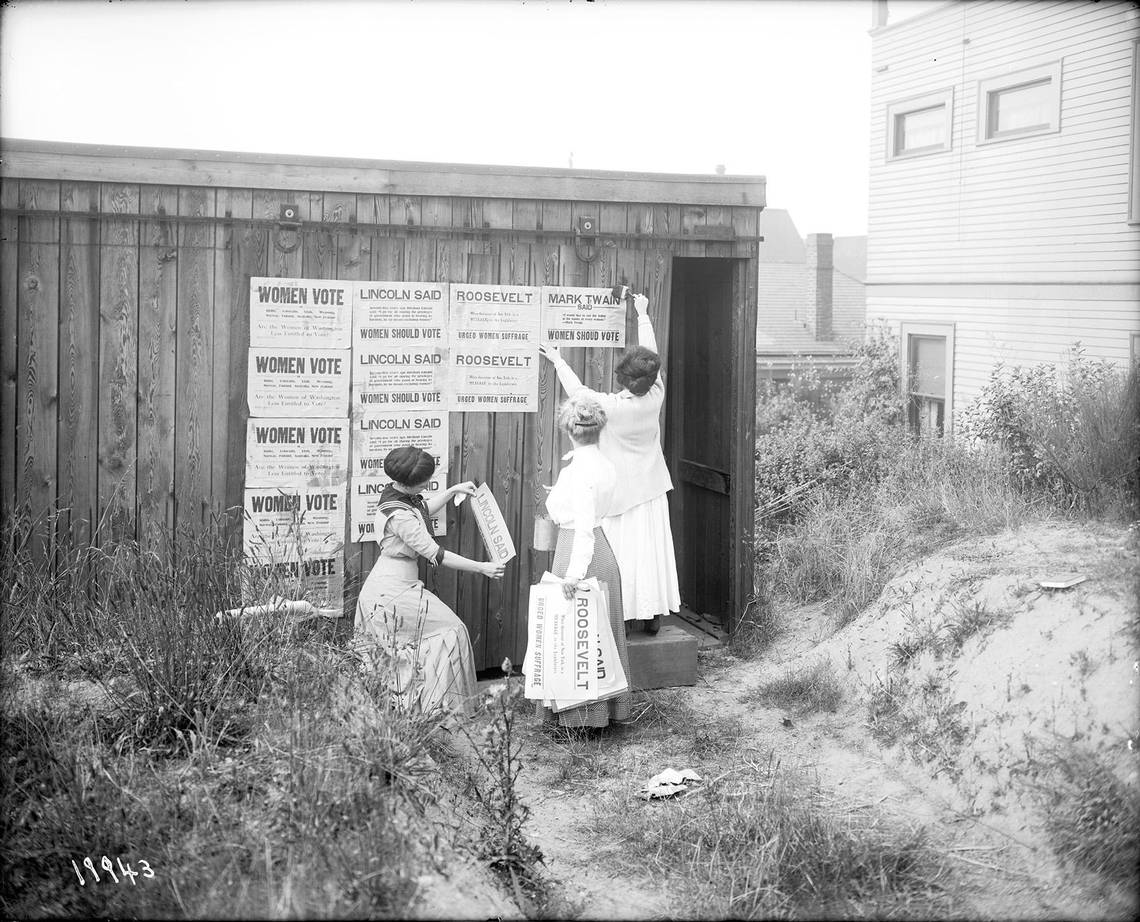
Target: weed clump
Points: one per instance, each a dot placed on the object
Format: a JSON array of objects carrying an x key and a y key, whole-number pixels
[
  {"x": 1091, "y": 815},
  {"x": 770, "y": 845},
  {"x": 807, "y": 690}
]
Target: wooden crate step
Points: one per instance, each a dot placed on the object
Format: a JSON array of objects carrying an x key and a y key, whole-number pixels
[{"x": 664, "y": 660}]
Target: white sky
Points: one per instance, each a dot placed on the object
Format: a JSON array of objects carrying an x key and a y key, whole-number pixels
[{"x": 774, "y": 88}]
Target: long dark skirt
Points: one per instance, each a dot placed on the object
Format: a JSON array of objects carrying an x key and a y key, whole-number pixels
[{"x": 604, "y": 567}]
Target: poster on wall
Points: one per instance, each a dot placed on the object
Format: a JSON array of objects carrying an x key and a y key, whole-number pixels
[
  {"x": 319, "y": 580},
  {"x": 296, "y": 450},
  {"x": 365, "y": 499},
  {"x": 376, "y": 434},
  {"x": 309, "y": 313},
  {"x": 495, "y": 332},
  {"x": 287, "y": 381},
  {"x": 397, "y": 377},
  {"x": 293, "y": 523},
  {"x": 582, "y": 317},
  {"x": 400, "y": 338}
]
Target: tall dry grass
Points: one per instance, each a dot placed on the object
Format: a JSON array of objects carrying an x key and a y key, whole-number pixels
[
  {"x": 260, "y": 769},
  {"x": 845, "y": 546}
]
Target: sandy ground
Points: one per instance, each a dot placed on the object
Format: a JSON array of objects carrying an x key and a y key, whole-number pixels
[{"x": 1042, "y": 668}]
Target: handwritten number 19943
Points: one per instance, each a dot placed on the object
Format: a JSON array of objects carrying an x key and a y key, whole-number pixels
[{"x": 126, "y": 872}]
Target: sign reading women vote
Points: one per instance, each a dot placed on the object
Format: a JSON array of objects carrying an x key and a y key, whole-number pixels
[
  {"x": 309, "y": 313},
  {"x": 296, "y": 450},
  {"x": 494, "y": 348},
  {"x": 582, "y": 317},
  {"x": 298, "y": 382},
  {"x": 365, "y": 500},
  {"x": 399, "y": 345},
  {"x": 375, "y": 435},
  {"x": 294, "y": 523}
]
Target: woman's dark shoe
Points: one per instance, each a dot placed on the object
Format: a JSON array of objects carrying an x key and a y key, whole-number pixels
[{"x": 654, "y": 625}]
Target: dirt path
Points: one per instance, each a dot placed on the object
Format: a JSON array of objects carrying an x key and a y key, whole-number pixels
[
  {"x": 999, "y": 872},
  {"x": 561, "y": 807},
  {"x": 993, "y": 872}
]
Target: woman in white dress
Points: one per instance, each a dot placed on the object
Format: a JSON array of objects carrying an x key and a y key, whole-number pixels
[
  {"x": 637, "y": 522},
  {"x": 584, "y": 488},
  {"x": 409, "y": 629}
]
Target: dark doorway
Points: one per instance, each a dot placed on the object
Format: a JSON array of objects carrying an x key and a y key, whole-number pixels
[{"x": 699, "y": 436}]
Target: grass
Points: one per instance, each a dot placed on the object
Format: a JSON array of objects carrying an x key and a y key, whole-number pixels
[
  {"x": 767, "y": 844},
  {"x": 806, "y": 690},
  {"x": 920, "y": 714},
  {"x": 260, "y": 769},
  {"x": 1091, "y": 815},
  {"x": 847, "y": 544}
]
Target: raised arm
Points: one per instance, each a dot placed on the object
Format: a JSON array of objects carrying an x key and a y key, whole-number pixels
[
  {"x": 570, "y": 381},
  {"x": 645, "y": 334}
]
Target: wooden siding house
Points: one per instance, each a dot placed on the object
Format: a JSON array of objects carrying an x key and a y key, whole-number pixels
[
  {"x": 124, "y": 324},
  {"x": 1004, "y": 200}
]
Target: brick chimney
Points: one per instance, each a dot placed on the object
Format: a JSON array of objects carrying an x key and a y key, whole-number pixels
[{"x": 819, "y": 267}]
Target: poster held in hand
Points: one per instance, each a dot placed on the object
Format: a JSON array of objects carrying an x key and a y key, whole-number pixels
[{"x": 492, "y": 525}]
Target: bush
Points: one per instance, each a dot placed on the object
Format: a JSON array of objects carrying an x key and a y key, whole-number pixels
[
  {"x": 1072, "y": 434},
  {"x": 805, "y": 446}
]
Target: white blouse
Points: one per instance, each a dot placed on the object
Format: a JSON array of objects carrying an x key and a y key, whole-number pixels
[
  {"x": 579, "y": 499},
  {"x": 631, "y": 438}
]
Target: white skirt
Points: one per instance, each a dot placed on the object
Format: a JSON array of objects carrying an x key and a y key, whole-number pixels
[{"x": 642, "y": 540}]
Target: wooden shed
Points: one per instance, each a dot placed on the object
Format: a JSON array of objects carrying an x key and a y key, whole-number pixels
[{"x": 125, "y": 333}]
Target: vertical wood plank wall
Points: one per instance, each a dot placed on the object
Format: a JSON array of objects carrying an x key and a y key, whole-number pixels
[{"x": 124, "y": 341}]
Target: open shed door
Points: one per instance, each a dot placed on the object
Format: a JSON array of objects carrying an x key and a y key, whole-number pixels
[{"x": 700, "y": 433}]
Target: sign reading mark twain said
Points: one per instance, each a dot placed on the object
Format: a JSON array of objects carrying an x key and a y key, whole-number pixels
[
  {"x": 494, "y": 348},
  {"x": 298, "y": 382},
  {"x": 296, "y": 450},
  {"x": 492, "y": 525},
  {"x": 310, "y": 313},
  {"x": 399, "y": 345},
  {"x": 293, "y": 523},
  {"x": 375, "y": 435},
  {"x": 582, "y": 317},
  {"x": 365, "y": 500}
]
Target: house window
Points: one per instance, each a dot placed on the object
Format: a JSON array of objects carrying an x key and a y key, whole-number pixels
[
  {"x": 1134, "y": 175},
  {"x": 928, "y": 368},
  {"x": 1021, "y": 104},
  {"x": 1134, "y": 347},
  {"x": 921, "y": 125}
]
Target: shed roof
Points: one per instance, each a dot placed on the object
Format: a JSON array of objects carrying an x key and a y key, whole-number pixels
[{"x": 55, "y": 160}]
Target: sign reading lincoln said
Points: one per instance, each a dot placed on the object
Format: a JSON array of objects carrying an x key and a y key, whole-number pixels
[
  {"x": 582, "y": 317},
  {"x": 376, "y": 434},
  {"x": 366, "y": 492},
  {"x": 494, "y": 348},
  {"x": 393, "y": 376},
  {"x": 298, "y": 382},
  {"x": 310, "y": 313},
  {"x": 399, "y": 341},
  {"x": 492, "y": 525}
]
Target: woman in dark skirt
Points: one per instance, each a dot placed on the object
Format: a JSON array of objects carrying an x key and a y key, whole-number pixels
[{"x": 579, "y": 500}]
